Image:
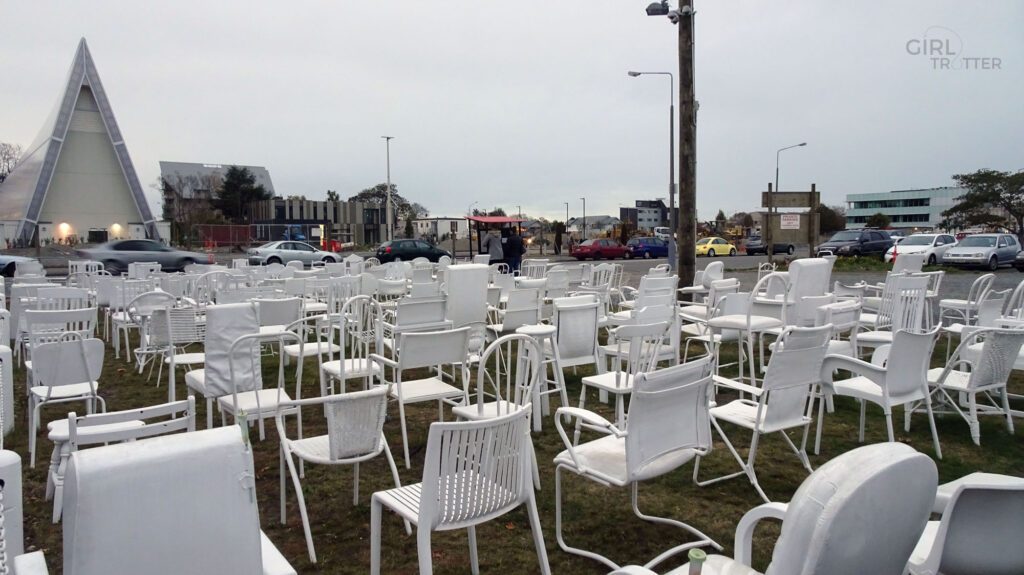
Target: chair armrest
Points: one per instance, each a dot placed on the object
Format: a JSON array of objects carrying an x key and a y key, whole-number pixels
[
  {"x": 737, "y": 385},
  {"x": 585, "y": 416},
  {"x": 383, "y": 360},
  {"x": 30, "y": 564},
  {"x": 745, "y": 529},
  {"x": 853, "y": 365}
]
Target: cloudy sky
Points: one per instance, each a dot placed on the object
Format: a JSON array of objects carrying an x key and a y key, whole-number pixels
[{"x": 527, "y": 103}]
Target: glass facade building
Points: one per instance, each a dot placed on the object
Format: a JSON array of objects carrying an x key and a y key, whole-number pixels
[{"x": 905, "y": 208}]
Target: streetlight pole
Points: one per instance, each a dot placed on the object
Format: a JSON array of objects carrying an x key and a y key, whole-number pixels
[
  {"x": 584, "y": 236},
  {"x": 671, "y": 160},
  {"x": 388, "y": 212},
  {"x": 766, "y": 233}
]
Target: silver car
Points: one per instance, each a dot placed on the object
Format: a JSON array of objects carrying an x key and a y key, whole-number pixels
[
  {"x": 983, "y": 250},
  {"x": 288, "y": 251},
  {"x": 116, "y": 255}
]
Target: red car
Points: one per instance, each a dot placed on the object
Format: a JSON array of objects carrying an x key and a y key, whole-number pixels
[{"x": 598, "y": 249}]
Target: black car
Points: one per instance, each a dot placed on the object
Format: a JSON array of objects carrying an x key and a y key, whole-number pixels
[
  {"x": 1018, "y": 262},
  {"x": 856, "y": 243},
  {"x": 408, "y": 250},
  {"x": 755, "y": 245}
]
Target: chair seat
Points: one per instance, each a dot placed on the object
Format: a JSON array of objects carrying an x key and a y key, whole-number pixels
[
  {"x": 427, "y": 389},
  {"x": 247, "y": 401},
  {"x": 313, "y": 306},
  {"x": 840, "y": 347},
  {"x": 491, "y": 409},
  {"x": 187, "y": 358},
  {"x": 612, "y": 349},
  {"x": 874, "y": 338},
  {"x": 694, "y": 310},
  {"x": 196, "y": 379},
  {"x": 954, "y": 328},
  {"x": 315, "y": 448},
  {"x": 954, "y": 304},
  {"x": 743, "y": 412},
  {"x": 606, "y": 382},
  {"x": 58, "y": 430},
  {"x": 956, "y": 380},
  {"x": 758, "y": 323},
  {"x": 607, "y": 456},
  {"x": 863, "y": 388},
  {"x": 311, "y": 349},
  {"x": 64, "y": 391},
  {"x": 405, "y": 500},
  {"x": 356, "y": 367}
]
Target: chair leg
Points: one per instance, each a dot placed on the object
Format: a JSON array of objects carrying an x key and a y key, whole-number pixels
[
  {"x": 209, "y": 413},
  {"x": 355, "y": 484},
  {"x": 283, "y": 485},
  {"x": 704, "y": 539},
  {"x": 860, "y": 434},
  {"x": 538, "y": 535},
  {"x": 558, "y": 527},
  {"x": 975, "y": 425},
  {"x": 931, "y": 422},
  {"x": 375, "y": 512},
  {"x": 426, "y": 559},
  {"x": 1006, "y": 410},
  {"x": 801, "y": 452},
  {"x": 821, "y": 420},
  {"x": 743, "y": 464},
  {"x": 888, "y": 425},
  {"x": 474, "y": 559},
  {"x": 302, "y": 507},
  {"x": 405, "y": 435}
]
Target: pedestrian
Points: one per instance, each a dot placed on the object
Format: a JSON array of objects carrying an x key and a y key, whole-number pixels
[
  {"x": 492, "y": 245},
  {"x": 514, "y": 250}
]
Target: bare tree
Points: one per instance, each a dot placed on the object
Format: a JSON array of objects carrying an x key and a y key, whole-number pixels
[
  {"x": 10, "y": 155},
  {"x": 187, "y": 203}
]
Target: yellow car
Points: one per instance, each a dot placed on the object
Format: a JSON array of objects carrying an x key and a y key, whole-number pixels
[{"x": 713, "y": 246}]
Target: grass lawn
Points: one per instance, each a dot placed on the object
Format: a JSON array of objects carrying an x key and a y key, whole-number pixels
[{"x": 596, "y": 517}]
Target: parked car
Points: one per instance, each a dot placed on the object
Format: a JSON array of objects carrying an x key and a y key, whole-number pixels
[
  {"x": 1018, "y": 262},
  {"x": 983, "y": 250},
  {"x": 284, "y": 252},
  {"x": 408, "y": 250},
  {"x": 116, "y": 255},
  {"x": 755, "y": 245},
  {"x": 646, "y": 248},
  {"x": 933, "y": 246},
  {"x": 662, "y": 232},
  {"x": 8, "y": 263},
  {"x": 597, "y": 249},
  {"x": 714, "y": 246},
  {"x": 856, "y": 243}
]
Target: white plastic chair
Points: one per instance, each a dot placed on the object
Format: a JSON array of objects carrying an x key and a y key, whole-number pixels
[
  {"x": 908, "y": 263},
  {"x": 668, "y": 427},
  {"x": 702, "y": 280},
  {"x": 522, "y": 309},
  {"x": 784, "y": 401},
  {"x": 224, "y": 324},
  {"x": 902, "y": 309},
  {"x": 965, "y": 310},
  {"x": 355, "y": 433},
  {"x": 421, "y": 350},
  {"x": 861, "y": 513},
  {"x": 896, "y": 375},
  {"x": 475, "y": 471}
]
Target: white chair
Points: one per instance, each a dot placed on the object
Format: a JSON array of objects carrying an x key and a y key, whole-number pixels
[
  {"x": 140, "y": 310},
  {"x": 277, "y": 314},
  {"x": 422, "y": 350},
  {"x": 649, "y": 285},
  {"x": 908, "y": 263},
  {"x": 989, "y": 314},
  {"x": 360, "y": 333},
  {"x": 224, "y": 324},
  {"x": 702, "y": 280},
  {"x": 658, "y": 440},
  {"x": 522, "y": 309},
  {"x": 295, "y": 265},
  {"x": 848, "y": 518},
  {"x": 784, "y": 401},
  {"x": 747, "y": 323},
  {"x": 65, "y": 370},
  {"x": 174, "y": 330},
  {"x": 902, "y": 309},
  {"x": 247, "y": 398},
  {"x": 72, "y": 434},
  {"x": 412, "y": 316},
  {"x": 638, "y": 347},
  {"x": 964, "y": 310},
  {"x": 970, "y": 374},
  {"x": 896, "y": 375},
  {"x": 355, "y": 433},
  {"x": 124, "y": 503},
  {"x": 506, "y": 377},
  {"x": 484, "y": 478},
  {"x": 979, "y": 531},
  {"x": 28, "y": 268}
]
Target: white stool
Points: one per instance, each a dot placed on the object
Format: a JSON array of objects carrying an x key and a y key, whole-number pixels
[{"x": 545, "y": 336}]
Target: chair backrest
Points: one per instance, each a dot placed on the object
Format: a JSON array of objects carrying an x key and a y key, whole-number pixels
[
  {"x": 123, "y": 501},
  {"x": 225, "y": 323},
  {"x": 422, "y": 274},
  {"x": 176, "y": 326},
  {"x": 668, "y": 415},
  {"x": 426, "y": 289},
  {"x": 908, "y": 361},
  {"x": 359, "y": 323},
  {"x": 208, "y": 284},
  {"x": 1015, "y": 304},
  {"x": 430, "y": 348},
  {"x": 909, "y": 303},
  {"x": 712, "y": 272},
  {"x": 908, "y": 263},
  {"x": 848, "y": 519},
  {"x": 793, "y": 371},
  {"x": 144, "y": 304},
  {"x": 805, "y": 310},
  {"x": 475, "y": 470},
  {"x": 467, "y": 294},
  {"x": 507, "y": 372},
  {"x": 979, "y": 287},
  {"x": 126, "y": 290},
  {"x": 340, "y": 289},
  {"x": 68, "y": 361},
  {"x": 843, "y": 315},
  {"x": 28, "y": 268},
  {"x": 990, "y": 310},
  {"x": 62, "y": 298},
  {"x": 765, "y": 269},
  {"x": 809, "y": 277},
  {"x": 576, "y": 320},
  {"x": 295, "y": 264},
  {"x": 484, "y": 259},
  {"x": 355, "y": 422},
  {"x": 999, "y": 352},
  {"x": 44, "y": 326},
  {"x": 353, "y": 264},
  {"x": 6, "y": 390},
  {"x": 778, "y": 287},
  {"x": 176, "y": 285},
  {"x": 533, "y": 268},
  {"x": 420, "y": 313},
  {"x": 980, "y": 531},
  {"x": 281, "y": 311},
  {"x": 523, "y": 308},
  {"x": 170, "y": 418},
  {"x": 558, "y": 282},
  {"x": 639, "y": 344},
  {"x": 718, "y": 289}
]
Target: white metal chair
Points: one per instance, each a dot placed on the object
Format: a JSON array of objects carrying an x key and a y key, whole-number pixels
[
  {"x": 971, "y": 373},
  {"x": 422, "y": 350},
  {"x": 784, "y": 401},
  {"x": 506, "y": 377},
  {"x": 668, "y": 426},
  {"x": 174, "y": 330},
  {"x": 747, "y": 323},
  {"x": 247, "y": 397},
  {"x": 358, "y": 325},
  {"x": 48, "y": 326},
  {"x": 355, "y": 433},
  {"x": 965, "y": 310},
  {"x": 860, "y": 513},
  {"x": 475, "y": 471},
  {"x": 224, "y": 324},
  {"x": 896, "y": 375},
  {"x": 638, "y": 347}
]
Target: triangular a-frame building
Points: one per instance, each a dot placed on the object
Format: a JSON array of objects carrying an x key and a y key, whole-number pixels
[{"x": 77, "y": 179}]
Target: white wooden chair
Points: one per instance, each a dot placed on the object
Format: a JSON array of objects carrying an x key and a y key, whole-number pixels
[{"x": 486, "y": 476}]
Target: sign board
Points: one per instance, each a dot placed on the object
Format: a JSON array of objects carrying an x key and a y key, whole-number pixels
[
  {"x": 316, "y": 231},
  {"x": 789, "y": 221},
  {"x": 790, "y": 199}
]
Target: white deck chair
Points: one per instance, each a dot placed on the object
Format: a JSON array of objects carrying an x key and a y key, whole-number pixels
[
  {"x": 656, "y": 442},
  {"x": 475, "y": 471}
]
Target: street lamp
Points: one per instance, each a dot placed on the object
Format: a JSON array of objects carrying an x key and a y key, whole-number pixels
[
  {"x": 584, "y": 236},
  {"x": 671, "y": 158},
  {"x": 390, "y": 229},
  {"x": 766, "y": 232},
  {"x": 469, "y": 210}
]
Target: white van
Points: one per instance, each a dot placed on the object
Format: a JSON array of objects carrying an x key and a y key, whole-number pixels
[{"x": 663, "y": 233}]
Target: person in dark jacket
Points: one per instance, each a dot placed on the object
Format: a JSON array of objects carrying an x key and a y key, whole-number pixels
[{"x": 514, "y": 250}]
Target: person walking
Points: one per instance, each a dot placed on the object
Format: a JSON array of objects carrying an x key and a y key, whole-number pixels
[
  {"x": 492, "y": 245},
  {"x": 514, "y": 250}
]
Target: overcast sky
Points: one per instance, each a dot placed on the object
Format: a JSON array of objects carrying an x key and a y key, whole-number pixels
[{"x": 528, "y": 102}]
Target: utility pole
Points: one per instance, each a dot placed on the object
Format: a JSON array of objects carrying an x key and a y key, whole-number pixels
[
  {"x": 388, "y": 211},
  {"x": 686, "y": 230}
]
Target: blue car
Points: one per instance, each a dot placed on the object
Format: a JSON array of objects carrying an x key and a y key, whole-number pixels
[{"x": 646, "y": 248}]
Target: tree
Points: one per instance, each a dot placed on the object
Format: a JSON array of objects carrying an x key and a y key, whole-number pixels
[
  {"x": 497, "y": 212},
  {"x": 988, "y": 190},
  {"x": 236, "y": 194},
  {"x": 720, "y": 217},
  {"x": 332, "y": 196},
  {"x": 297, "y": 197},
  {"x": 10, "y": 155},
  {"x": 748, "y": 221},
  {"x": 879, "y": 220},
  {"x": 829, "y": 220},
  {"x": 186, "y": 203},
  {"x": 409, "y": 232}
]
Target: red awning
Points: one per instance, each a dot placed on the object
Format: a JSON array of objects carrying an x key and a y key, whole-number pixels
[{"x": 494, "y": 219}]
